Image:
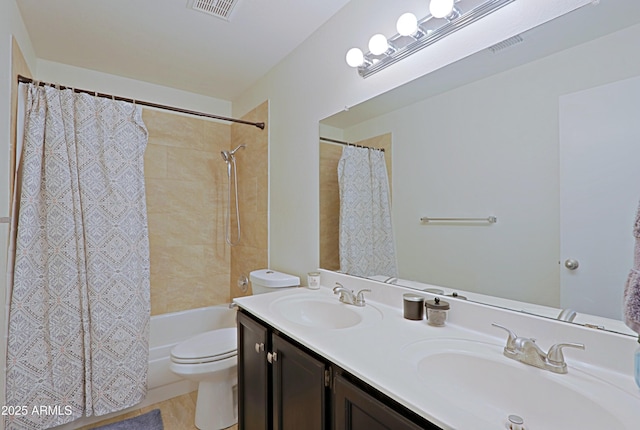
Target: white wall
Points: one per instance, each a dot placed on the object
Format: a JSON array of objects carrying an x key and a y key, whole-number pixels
[
  {"x": 491, "y": 148},
  {"x": 77, "y": 77},
  {"x": 314, "y": 82}
]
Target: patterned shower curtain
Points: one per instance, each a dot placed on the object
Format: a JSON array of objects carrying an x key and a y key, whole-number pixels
[
  {"x": 366, "y": 235},
  {"x": 79, "y": 306}
]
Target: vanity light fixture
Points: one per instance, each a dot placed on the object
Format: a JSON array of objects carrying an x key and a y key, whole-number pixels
[
  {"x": 441, "y": 8},
  {"x": 445, "y": 17}
]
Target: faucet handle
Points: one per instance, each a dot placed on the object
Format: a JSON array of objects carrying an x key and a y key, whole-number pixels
[
  {"x": 346, "y": 295},
  {"x": 555, "y": 355},
  {"x": 511, "y": 340},
  {"x": 339, "y": 288},
  {"x": 360, "y": 296}
]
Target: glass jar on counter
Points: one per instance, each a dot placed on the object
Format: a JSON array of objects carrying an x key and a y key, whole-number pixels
[{"x": 436, "y": 312}]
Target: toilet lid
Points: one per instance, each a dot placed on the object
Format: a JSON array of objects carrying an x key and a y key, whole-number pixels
[{"x": 221, "y": 342}]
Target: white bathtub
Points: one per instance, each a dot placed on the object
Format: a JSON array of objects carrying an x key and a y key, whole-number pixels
[{"x": 165, "y": 332}]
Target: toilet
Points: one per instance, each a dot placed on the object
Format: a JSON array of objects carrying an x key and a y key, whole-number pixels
[
  {"x": 210, "y": 359},
  {"x": 266, "y": 281}
]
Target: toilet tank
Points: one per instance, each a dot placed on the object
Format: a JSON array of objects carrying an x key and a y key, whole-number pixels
[{"x": 266, "y": 280}]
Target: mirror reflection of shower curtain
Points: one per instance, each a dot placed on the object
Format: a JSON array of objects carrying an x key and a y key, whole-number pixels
[
  {"x": 79, "y": 289},
  {"x": 366, "y": 235}
]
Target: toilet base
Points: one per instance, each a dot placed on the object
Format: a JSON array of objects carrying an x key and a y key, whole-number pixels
[{"x": 217, "y": 405}]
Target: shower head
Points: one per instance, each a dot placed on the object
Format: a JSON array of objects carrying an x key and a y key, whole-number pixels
[
  {"x": 228, "y": 156},
  {"x": 237, "y": 148}
]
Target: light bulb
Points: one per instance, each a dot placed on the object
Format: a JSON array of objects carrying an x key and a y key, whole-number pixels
[
  {"x": 441, "y": 8},
  {"x": 378, "y": 44},
  {"x": 355, "y": 57},
  {"x": 407, "y": 24}
]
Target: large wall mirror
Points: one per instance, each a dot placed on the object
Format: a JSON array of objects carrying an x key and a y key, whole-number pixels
[{"x": 541, "y": 132}]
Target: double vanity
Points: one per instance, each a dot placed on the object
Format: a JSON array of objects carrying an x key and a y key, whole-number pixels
[{"x": 307, "y": 359}]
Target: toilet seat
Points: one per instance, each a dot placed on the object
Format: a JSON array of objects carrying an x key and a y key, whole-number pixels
[{"x": 207, "y": 347}]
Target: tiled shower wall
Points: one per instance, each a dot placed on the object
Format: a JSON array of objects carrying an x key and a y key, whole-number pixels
[
  {"x": 186, "y": 180},
  {"x": 185, "y": 183},
  {"x": 253, "y": 188}
]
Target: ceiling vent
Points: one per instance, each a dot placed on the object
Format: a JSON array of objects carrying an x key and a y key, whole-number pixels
[
  {"x": 218, "y": 8},
  {"x": 507, "y": 43}
]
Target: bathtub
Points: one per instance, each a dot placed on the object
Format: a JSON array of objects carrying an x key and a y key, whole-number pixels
[{"x": 165, "y": 331}]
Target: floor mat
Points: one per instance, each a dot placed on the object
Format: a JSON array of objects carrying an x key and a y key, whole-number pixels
[{"x": 149, "y": 421}]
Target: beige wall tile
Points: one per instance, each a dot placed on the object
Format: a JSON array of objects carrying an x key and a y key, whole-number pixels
[
  {"x": 186, "y": 191},
  {"x": 192, "y": 165},
  {"x": 180, "y": 228},
  {"x": 217, "y": 136},
  {"x": 191, "y": 264},
  {"x": 244, "y": 260},
  {"x": 217, "y": 260},
  {"x": 170, "y": 129},
  {"x": 155, "y": 161},
  {"x": 253, "y": 162},
  {"x": 178, "y": 261},
  {"x": 166, "y": 196},
  {"x": 248, "y": 194},
  {"x": 329, "y": 206}
]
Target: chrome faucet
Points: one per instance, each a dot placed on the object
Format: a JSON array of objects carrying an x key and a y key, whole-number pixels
[
  {"x": 528, "y": 352},
  {"x": 347, "y": 296}
]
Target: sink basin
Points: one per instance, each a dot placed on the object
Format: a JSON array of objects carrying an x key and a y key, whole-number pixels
[
  {"x": 481, "y": 382},
  {"x": 315, "y": 311}
]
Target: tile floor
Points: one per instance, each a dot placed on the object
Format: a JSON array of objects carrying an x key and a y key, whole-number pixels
[{"x": 177, "y": 414}]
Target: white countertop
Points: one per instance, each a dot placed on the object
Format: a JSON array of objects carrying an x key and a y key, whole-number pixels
[{"x": 377, "y": 353}]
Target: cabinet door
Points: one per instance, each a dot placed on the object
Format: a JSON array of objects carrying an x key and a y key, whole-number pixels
[
  {"x": 253, "y": 375},
  {"x": 354, "y": 409},
  {"x": 298, "y": 388}
]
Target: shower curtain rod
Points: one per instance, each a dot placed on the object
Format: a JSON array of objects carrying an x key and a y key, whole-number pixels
[
  {"x": 342, "y": 142},
  {"x": 25, "y": 80}
]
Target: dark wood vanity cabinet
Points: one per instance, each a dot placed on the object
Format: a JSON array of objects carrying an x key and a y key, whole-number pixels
[
  {"x": 299, "y": 392},
  {"x": 253, "y": 375},
  {"x": 280, "y": 386},
  {"x": 355, "y": 408},
  {"x": 284, "y": 386}
]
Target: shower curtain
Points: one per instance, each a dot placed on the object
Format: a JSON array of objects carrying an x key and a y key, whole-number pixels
[
  {"x": 366, "y": 235},
  {"x": 79, "y": 304}
]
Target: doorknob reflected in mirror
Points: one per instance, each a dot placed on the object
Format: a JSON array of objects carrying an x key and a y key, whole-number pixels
[{"x": 571, "y": 264}]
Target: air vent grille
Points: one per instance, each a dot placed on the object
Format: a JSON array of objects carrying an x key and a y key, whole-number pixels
[
  {"x": 218, "y": 8},
  {"x": 507, "y": 43}
]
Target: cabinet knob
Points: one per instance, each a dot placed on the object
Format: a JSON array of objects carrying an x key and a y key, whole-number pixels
[
  {"x": 272, "y": 357},
  {"x": 259, "y": 347}
]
